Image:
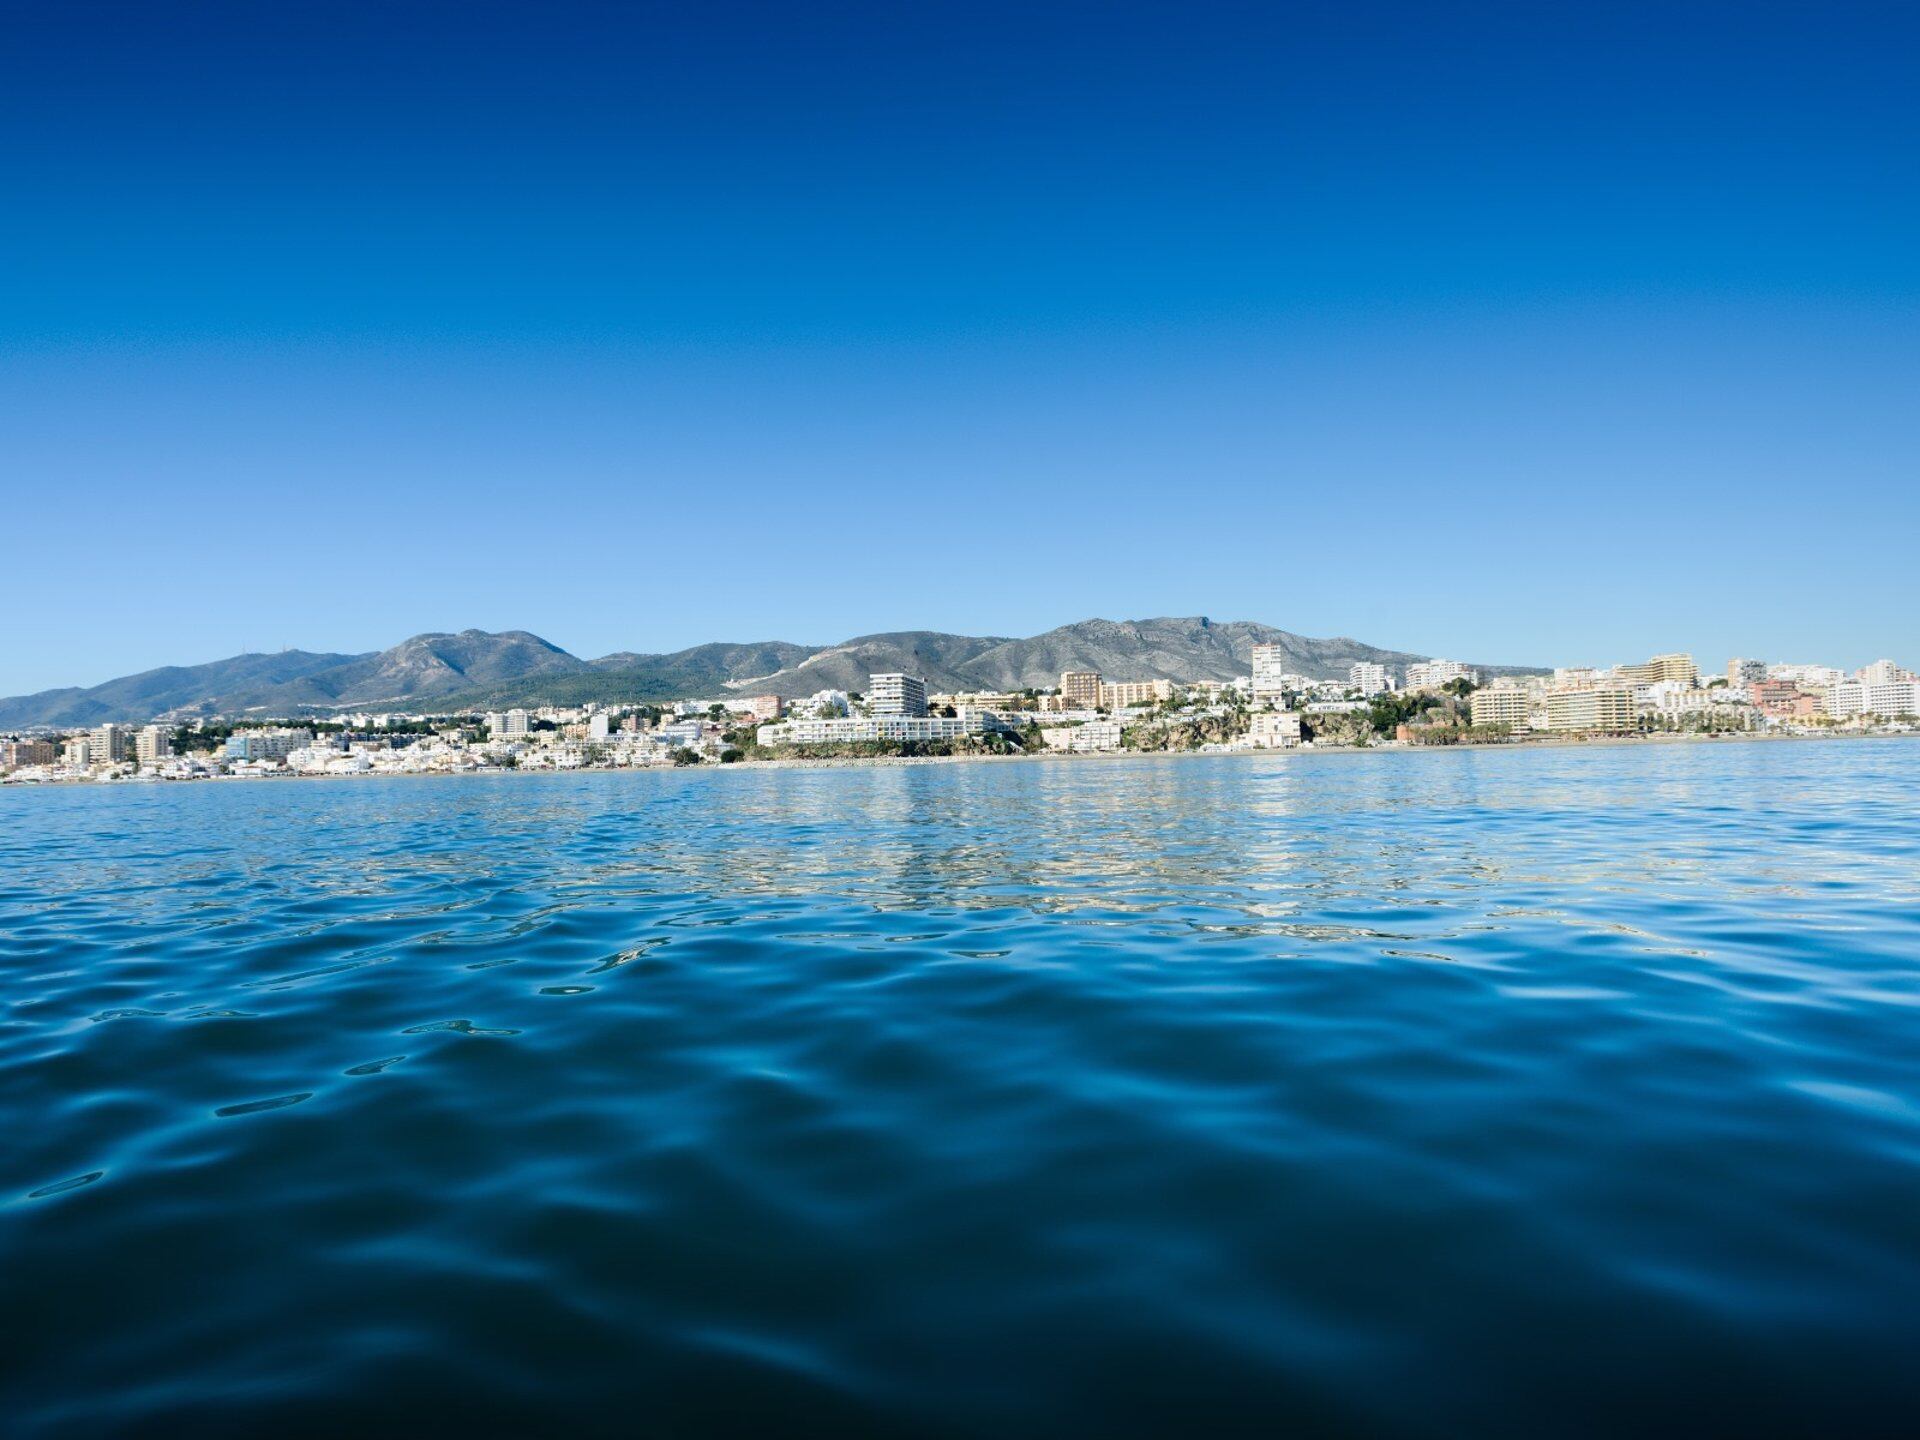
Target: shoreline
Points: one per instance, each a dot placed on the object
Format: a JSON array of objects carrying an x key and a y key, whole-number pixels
[{"x": 1614, "y": 742}]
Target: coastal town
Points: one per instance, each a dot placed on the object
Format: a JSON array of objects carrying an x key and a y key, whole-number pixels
[{"x": 1432, "y": 702}]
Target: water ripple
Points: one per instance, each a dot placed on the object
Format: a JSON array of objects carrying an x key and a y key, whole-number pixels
[{"x": 1490, "y": 1093}]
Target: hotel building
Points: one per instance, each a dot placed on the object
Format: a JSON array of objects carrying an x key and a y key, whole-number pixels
[
  {"x": 1369, "y": 679},
  {"x": 1123, "y": 693},
  {"x": 1502, "y": 705},
  {"x": 1851, "y": 697},
  {"x": 860, "y": 729},
  {"x": 1601, "y": 711},
  {"x": 898, "y": 694},
  {"x": 1080, "y": 689},
  {"x": 1432, "y": 674},
  {"x": 1678, "y": 668},
  {"x": 1270, "y": 676}
]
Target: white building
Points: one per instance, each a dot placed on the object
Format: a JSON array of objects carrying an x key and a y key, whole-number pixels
[
  {"x": 1270, "y": 678},
  {"x": 1883, "y": 672},
  {"x": 822, "y": 705},
  {"x": 1275, "y": 730},
  {"x": 513, "y": 724},
  {"x": 863, "y": 728},
  {"x": 1369, "y": 679},
  {"x": 1851, "y": 697},
  {"x": 1432, "y": 674},
  {"x": 1093, "y": 737},
  {"x": 1816, "y": 676},
  {"x": 681, "y": 732},
  {"x": 897, "y": 694},
  {"x": 1507, "y": 705}
]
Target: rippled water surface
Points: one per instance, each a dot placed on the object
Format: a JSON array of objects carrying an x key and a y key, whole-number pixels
[{"x": 1425, "y": 1094}]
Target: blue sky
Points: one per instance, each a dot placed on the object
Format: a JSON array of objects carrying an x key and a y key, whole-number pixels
[{"x": 1520, "y": 333}]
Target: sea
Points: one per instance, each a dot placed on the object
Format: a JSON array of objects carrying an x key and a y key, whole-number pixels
[{"x": 1470, "y": 1093}]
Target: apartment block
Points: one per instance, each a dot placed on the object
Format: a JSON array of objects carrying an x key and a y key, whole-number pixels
[
  {"x": 881, "y": 727},
  {"x": 1607, "y": 711},
  {"x": 111, "y": 744},
  {"x": 1506, "y": 705},
  {"x": 1080, "y": 689},
  {"x": 1369, "y": 679},
  {"x": 1275, "y": 730},
  {"x": 1123, "y": 693},
  {"x": 1678, "y": 668},
  {"x": 1270, "y": 676},
  {"x": 1094, "y": 737},
  {"x": 898, "y": 694},
  {"x": 15, "y": 753},
  {"x": 1432, "y": 674},
  {"x": 1851, "y": 697}
]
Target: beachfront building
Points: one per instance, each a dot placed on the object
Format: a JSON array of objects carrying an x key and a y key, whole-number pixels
[
  {"x": 1094, "y": 737},
  {"x": 1274, "y": 730},
  {"x": 1369, "y": 679},
  {"x": 1742, "y": 673},
  {"x": 1851, "y": 697},
  {"x": 861, "y": 729},
  {"x": 1508, "y": 705},
  {"x": 1432, "y": 674},
  {"x": 15, "y": 754},
  {"x": 1602, "y": 711},
  {"x": 1080, "y": 689},
  {"x": 897, "y": 694}
]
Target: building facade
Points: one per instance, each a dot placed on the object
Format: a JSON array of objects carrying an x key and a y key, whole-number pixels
[
  {"x": 112, "y": 744},
  {"x": 1677, "y": 668},
  {"x": 1502, "y": 705},
  {"x": 153, "y": 744},
  {"x": 1122, "y": 694},
  {"x": 1275, "y": 730},
  {"x": 1094, "y": 737},
  {"x": 861, "y": 729},
  {"x": 1369, "y": 679},
  {"x": 1892, "y": 699},
  {"x": 1601, "y": 711},
  {"x": 898, "y": 694},
  {"x": 1432, "y": 674},
  {"x": 1080, "y": 689},
  {"x": 1270, "y": 674}
]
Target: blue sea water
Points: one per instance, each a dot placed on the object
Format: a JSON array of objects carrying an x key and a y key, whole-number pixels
[{"x": 1483, "y": 1093}]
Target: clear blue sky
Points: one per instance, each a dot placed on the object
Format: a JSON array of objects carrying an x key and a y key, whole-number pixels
[{"x": 1517, "y": 332}]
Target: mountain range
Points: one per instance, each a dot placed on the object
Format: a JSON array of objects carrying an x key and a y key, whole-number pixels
[{"x": 476, "y": 669}]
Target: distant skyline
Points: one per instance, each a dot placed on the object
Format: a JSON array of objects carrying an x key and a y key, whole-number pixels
[{"x": 1481, "y": 331}]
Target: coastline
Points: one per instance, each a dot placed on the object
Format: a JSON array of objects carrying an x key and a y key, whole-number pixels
[{"x": 1616, "y": 742}]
